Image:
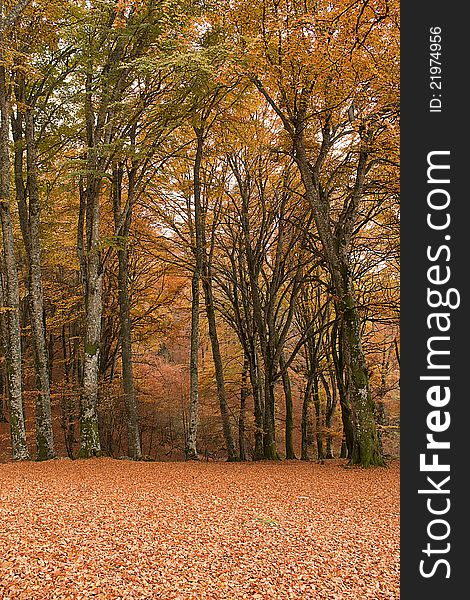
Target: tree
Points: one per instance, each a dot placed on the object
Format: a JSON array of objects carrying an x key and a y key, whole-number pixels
[
  {"x": 113, "y": 41},
  {"x": 27, "y": 195},
  {"x": 122, "y": 222},
  {"x": 31, "y": 80},
  {"x": 11, "y": 299},
  {"x": 272, "y": 254},
  {"x": 336, "y": 111}
]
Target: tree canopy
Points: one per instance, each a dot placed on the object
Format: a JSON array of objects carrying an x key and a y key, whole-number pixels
[{"x": 200, "y": 228}]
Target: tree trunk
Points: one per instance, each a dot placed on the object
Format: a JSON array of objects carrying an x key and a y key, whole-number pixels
[
  {"x": 3, "y": 406},
  {"x": 89, "y": 434},
  {"x": 219, "y": 373},
  {"x": 365, "y": 449},
  {"x": 304, "y": 454},
  {"x": 88, "y": 247},
  {"x": 337, "y": 353},
  {"x": 290, "y": 453},
  {"x": 11, "y": 297},
  {"x": 258, "y": 408},
  {"x": 44, "y": 435},
  {"x": 244, "y": 393},
  {"x": 304, "y": 428},
  {"x": 92, "y": 283},
  {"x": 318, "y": 420},
  {"x": 379, "y": 405},
  {"x": 191, "y": 443},
  {"x": 269, "y": 441},
  {"x": 122, "y": 224},
  {"x": 209, "y": 299},
  {"x": 4, "y": 349},
  {"x": 330, "y": 411},
  {"x": 67, "y": 404},
  {"x": 133, "y": 437}
]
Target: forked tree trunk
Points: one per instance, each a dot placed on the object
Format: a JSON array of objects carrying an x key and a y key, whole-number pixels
[
  {"x": 11, "y": 295},
  {"x": 44, "y": 435},
  {"x": 27, "y": 196},
  {"x": 365, "y": 448}
]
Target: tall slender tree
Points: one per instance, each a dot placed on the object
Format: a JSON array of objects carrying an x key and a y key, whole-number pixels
[
  {"x": 11, "y": 295},
  {"x": 27, "y": 195}
]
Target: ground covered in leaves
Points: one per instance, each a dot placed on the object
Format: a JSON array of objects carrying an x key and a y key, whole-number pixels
[{"x": 114, "y": 529}]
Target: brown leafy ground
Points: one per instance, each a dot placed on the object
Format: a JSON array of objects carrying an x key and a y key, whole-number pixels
[{"x": 114, "y": 529}]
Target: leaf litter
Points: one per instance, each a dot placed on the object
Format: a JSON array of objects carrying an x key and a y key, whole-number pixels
[{"x": 120, "y": 530}]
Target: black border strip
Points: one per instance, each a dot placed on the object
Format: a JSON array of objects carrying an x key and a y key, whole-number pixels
[{"x": 423, "y": 132}]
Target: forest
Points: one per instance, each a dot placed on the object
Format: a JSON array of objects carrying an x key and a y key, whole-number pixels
[
  {"x": 199, "y": 208},
  {"x": 199, "y": 299}
]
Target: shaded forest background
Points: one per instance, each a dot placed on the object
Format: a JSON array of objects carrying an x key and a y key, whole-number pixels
[{"x": 200, "y": 229}]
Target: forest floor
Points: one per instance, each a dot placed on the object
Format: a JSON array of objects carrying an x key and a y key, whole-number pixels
[{"x": 115, "y": 529}]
